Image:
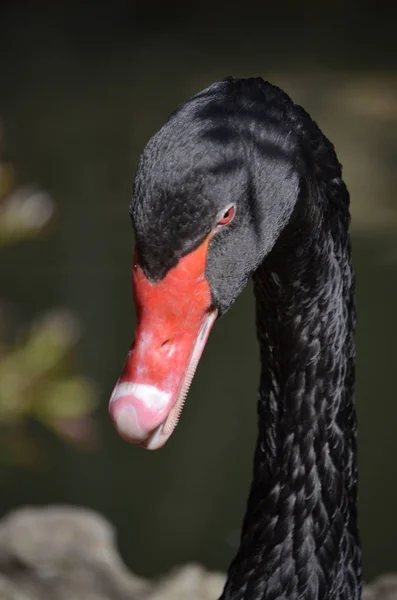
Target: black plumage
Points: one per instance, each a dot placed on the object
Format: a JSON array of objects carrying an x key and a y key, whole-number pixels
[{"x": 243, "y": 141}]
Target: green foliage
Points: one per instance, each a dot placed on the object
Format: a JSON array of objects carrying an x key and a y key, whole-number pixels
[{"x": 37, "y": 379}]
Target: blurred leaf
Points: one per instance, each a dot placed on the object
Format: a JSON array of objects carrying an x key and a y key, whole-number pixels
[
  {"x": 50, "y": 339},
  {"x": 24, "y": 214},
  {"x": 82, "y": 432},
  {"x": 34, "y": 371},
  {"x": 66, "y": 399},
  {"x": 27, "y": 371}
]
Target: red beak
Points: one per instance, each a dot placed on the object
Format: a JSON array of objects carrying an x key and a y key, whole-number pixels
[{"x": 174, "y": 319}]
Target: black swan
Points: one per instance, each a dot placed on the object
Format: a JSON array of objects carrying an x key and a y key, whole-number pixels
[{"x": 240, "y": 181}]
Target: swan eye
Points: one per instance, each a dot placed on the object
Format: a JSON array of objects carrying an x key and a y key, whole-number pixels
[{"x": 227, "y": 217}]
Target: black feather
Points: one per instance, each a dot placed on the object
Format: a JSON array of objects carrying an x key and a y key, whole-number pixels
[{"x": 244, "y": 141}]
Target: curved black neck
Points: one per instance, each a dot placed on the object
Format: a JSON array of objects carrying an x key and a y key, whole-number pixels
[{"x": 299, "y": 537}]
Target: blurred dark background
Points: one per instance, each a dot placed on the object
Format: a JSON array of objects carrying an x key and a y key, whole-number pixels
[{"x": 83, "y": 85}]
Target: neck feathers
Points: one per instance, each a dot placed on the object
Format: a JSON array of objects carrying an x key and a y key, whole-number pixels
[{"x": 299, "y": 537}]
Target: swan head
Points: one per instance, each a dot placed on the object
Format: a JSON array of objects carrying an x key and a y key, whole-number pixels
[{"x": 213, "y": 190}]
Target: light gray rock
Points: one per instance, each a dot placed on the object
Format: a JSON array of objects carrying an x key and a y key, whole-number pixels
[
  {"x": 382, "y": 588},
  {"x": 63, "y": 553},
  {"x": 190, "y": 582},
  {"x": 69, "y": 553}
]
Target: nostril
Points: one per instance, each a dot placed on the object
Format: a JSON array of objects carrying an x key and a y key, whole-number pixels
[{"x": 165, "y": 343}]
